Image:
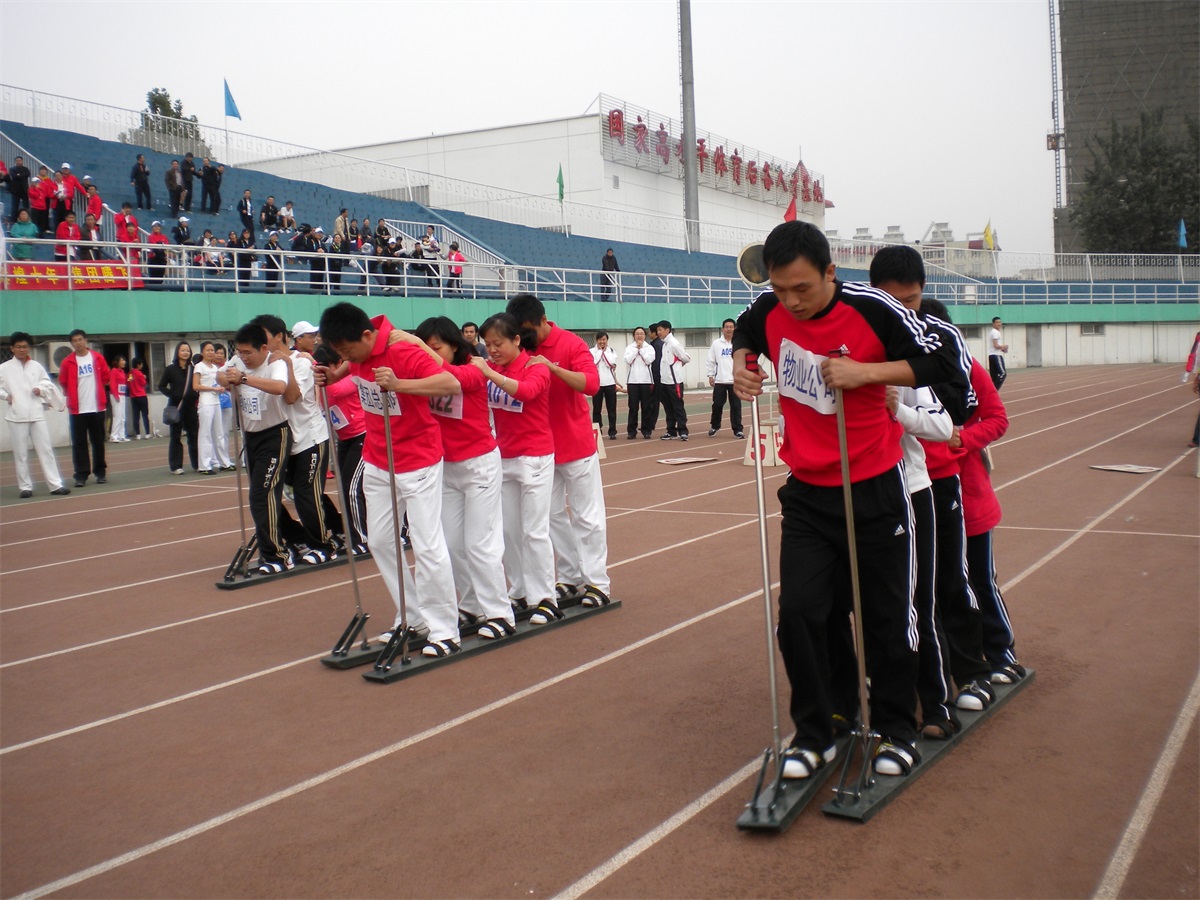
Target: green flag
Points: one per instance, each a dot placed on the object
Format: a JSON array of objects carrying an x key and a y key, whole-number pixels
[{"x": 560, "y": 183}]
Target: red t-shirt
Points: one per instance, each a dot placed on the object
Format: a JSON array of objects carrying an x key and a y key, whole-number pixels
[
  {"x": 523, "y": 421},
  {"x": 989, "y": 422},
  {"x": 118, "y": 383},
  {"x": 345, "y": 409},
  {"x": 466, "y": 430},
  {"x": 137, "y": 383},
  {"x": 416, "y": 442},
  {"x": 570, "y": 412}
]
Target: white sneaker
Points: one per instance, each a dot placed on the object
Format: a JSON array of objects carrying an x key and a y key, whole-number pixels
[{"x": 798, "y": 763}]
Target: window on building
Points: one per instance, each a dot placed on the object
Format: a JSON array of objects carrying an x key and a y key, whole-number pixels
[{"x": 1087, "y": 329}]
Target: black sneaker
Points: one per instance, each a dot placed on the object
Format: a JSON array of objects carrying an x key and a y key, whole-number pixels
[
  {"x": 712, "y": 432},
  {"x": 668, "y": 437},
  {"x": 62, "y": 491},
  {"x": 80, "y": 483},
  {"x": 739, "y": 435},
  {"x": 100, "y": 479},
  {"x": 25, "y": 495}
]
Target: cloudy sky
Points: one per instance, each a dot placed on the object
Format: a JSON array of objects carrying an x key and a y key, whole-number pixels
[{"x": 914, "y": 111}]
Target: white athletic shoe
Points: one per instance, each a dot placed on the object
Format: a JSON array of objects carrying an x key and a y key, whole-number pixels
[{"x": 800, "y": 763}]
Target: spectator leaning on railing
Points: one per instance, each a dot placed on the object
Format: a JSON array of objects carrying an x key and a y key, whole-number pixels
[
  {"x": 156, "y": 258},
  {"x": 68, "y": 234},
  {"x": 125, "y": 217}
]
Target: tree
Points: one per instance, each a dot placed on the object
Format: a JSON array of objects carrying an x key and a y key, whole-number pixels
[
  {"x": 1142, "y": 182},
  {"x": 165, "y": 128}
]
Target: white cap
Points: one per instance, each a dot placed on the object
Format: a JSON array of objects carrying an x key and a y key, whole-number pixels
[
  {"x": 87, "y": 177},
  {"x": 184, "y": 219},
  {"x": 318, "y": 230},
  {"x": 300, "y": 329},
  {"x": 35, "y": 180},
  {"x": 65, "y": 166},
  {"x": 272, "y": 233}
]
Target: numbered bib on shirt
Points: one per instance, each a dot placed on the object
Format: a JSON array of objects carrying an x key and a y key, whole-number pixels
[
  {"x": 250, "y": 406},
  {"x": 122, "y": 389},
  {"x": 337, "y": 417},
  {"x": 498, "y": 399},
  {"x": 371, "y": 396},
  {"x": 800, "y": 378},
  {"x": 447, "y": 407},
  {"x": 85, "y": 369}
]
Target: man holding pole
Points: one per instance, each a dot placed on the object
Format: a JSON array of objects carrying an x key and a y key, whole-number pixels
[{"x": 825, "y": 337}]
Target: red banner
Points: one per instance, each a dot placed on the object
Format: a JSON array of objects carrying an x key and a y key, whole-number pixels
[{"x": 87, "y": 275}]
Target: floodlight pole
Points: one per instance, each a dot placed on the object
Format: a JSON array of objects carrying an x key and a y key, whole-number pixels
[{"x": 691, "y": 185}]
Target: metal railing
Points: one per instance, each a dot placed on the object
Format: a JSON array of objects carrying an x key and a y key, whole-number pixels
[
  {"x": 218, "y": 267},
  {"x": 414, "y": 231}
]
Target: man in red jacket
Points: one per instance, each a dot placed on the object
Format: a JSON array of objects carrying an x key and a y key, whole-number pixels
[
  {"x": 69, "y": 235},
  {"x": 83, "y": 379},
  {"x": 580, "y": 536}
]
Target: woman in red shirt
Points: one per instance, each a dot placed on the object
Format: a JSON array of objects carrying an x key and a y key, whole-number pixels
[
  {"x": 118, "y": 389},
  {"x": 138, "y": 399},
  {"x": 471, "y": 477},
  {"x": 350, "y": 424},
  {"x": 519, "y": 397}
]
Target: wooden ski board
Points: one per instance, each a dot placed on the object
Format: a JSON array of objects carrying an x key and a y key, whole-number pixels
[
  {"x": 795, "y": 795},
  {"x": 252, "y": 578},
  {"x": 886, "y": 788},
  {"x": 472, "y": 646}
]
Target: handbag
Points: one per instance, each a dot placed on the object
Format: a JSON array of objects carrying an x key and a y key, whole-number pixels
[{"x": 171, "y": 415}]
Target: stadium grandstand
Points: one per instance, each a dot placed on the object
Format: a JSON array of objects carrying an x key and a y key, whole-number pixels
[{"x": 138, "y": 297}]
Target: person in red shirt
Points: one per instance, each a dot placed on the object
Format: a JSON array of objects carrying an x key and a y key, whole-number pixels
[
  {"x": 118, "y": 390},
  {"x": 519, "y": 396},
  {"x": 39, "y": 206},
  {"x": 981, "y": 514},
  {"x": 471, "y": 483},
  {"x": 580, "y": 536},
  {"x": 83, "y": 378},
  {"x": 68, "y": 234},
  {"x": 125, "y": 217},
  {"x": 349, "y": 423},
  {"x": 138, "y": 399},
  {"x": 404, "y": 377},
  {"x": 821, "y": 335},
  {"x": 156, "y": 257},
  {"x": 455, "y": 258},
  {"x": 95, "y": 206}
]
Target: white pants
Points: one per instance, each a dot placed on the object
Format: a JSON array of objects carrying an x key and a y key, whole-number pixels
[
  {"x": 118, "y": 426},
  {"x": 22, "y": 434},
  {"x": 473, "y": 522},
  {"x": 430, "y": 602},
  {"x": 213, "y": 451},
  {"x": 528, "y": 553},
  {"x": 581, "y": 536}
]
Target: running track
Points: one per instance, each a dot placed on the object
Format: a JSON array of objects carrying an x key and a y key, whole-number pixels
[{"x": 160, "y": 738}]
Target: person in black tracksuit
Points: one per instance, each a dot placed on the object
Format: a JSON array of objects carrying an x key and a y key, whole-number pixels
[
  {"x": 245, "y": 210},
  {"x": 139, "y": 178},
  {"x": 176, "y": 383},
  {"x": 671, "y": 364},
  {"x": 188, "y": 168},
  {"x": 272, "y": 261},
  {"x": 822, "y": 335},
  {"x": 650, "y": 414}
]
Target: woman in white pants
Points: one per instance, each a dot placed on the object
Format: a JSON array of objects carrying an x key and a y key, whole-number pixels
[
  {"x": 471, "y": 515},
  {"x": 226, "y": 405},
  {"x": 519, "y": 398},
  {"x": 118, "y": 389},
  {"x": 213, "y": 455}
]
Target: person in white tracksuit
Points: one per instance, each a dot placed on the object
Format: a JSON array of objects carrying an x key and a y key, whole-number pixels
[{"x": 26, "y": 390}]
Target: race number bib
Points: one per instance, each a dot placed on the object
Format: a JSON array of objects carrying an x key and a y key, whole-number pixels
[
  {"x": 371, "y": 396},
  {"x": 122, "y": 390},
  {"x": 447, "y": 407},
  {"x": 800, "y": 378},
  {"x": 85, "y": 368},
  {"x": 337, "y": 417},
  {"x": 249, "y": 403},
  {"x": 498, "y": 399}
]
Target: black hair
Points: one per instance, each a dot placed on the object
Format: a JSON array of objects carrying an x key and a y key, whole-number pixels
[
  {"x": 637, "y": 329},
  {"x": 251, "y": 334},
  {"x": 325, "y": 356},
  {"x": 466, "y": 325},
  {"x": 653, "y": 326},
  {"x": 343, "y": 211},
  {"x": 71, "y": 336},
  {"x": 932, "y": 307},
  {"x": 725, "y": 322},
  {"x": 344, "y": 323},
  {"x": 126, "y": 204},
  {"x": 272, "y": 323},
  {"x": 204, "y": 344},
  {"x": 526, "y": 308},
  {"x": 19, "y": 337},
  {"x": 665, "y": 324},
  {"x": 796, "y": 240},
  {"x": 175, "y": 358},
  {"x": 444, "y": 329},
  {"x": 503, "y": 324},
  {"x": 601, "y": 334},
  {"x": 137, "y": 363},
  {"x": 995, "y": 319},
  {"x": 898, "y": 263}
]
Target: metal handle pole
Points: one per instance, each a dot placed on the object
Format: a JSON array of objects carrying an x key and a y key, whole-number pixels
[
  {"x": 400, "y": 558},
  {"x": 334, "y": 444},
  {"x": 237, "y": 468},
  {"x": 760, "y": 496},
  {"x": 864, "y": 706}
]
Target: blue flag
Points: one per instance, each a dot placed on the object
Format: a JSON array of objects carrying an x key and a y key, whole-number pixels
[
  {"x": 230, "y": 107},
  {"x": 1182, "y": 235}
]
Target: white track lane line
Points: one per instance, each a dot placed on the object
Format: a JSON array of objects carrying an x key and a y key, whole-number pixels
[
  {"x": 1082, "y": 384},
  {"x": 74, "y": 513},
  {"x": 1164, "y": 534},
  {"x": 108, "y": 528},
  {"x": 383, "y": 753},
  {"x": 664, "y": 829},
  {"x": 1143, "y": 815},
  {"x": 118, "y": 587},
  {"x": 1076, "y": 401},
  {"x": 1114, "y": 437},
  {"x": 111, "y": 553},
  {"x": 1098, "y": 412}
]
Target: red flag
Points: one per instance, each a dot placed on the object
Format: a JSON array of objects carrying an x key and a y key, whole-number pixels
[{"x": 790, "y": 215}]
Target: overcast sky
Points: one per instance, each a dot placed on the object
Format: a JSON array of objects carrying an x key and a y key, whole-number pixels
[{"x": 914, "y": 111}]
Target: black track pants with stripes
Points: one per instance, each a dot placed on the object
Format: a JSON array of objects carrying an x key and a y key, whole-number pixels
[{"x": 266, "y": 457}]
